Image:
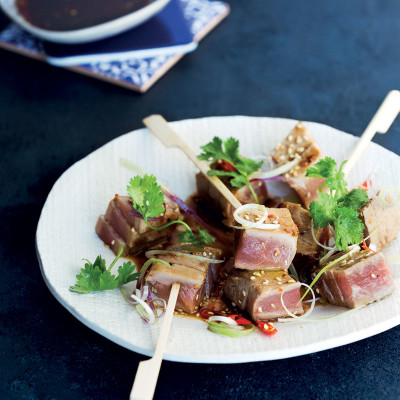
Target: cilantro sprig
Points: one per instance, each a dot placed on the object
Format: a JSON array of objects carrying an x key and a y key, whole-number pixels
[
  {"x": 148, "y": 200},
  {"x": 97, "y": 276},
  {"x": 338, "y": 207},
  {"x": 229, "y": 152}
]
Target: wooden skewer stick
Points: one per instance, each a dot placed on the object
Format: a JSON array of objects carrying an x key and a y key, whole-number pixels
[
  {"x": 148, "y": 371},
  {"x": 381, "y": 123},
  {"x": 159, "y": 126}
]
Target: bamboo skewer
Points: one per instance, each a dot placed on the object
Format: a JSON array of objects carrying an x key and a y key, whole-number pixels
[
  {"x": 159, "y": 126},
  {"x": 148, "y": 371},
  {"x": 381, "y": 123}
]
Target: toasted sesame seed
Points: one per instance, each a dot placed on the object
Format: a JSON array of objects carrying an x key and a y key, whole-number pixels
[
  {"x": 210, "y": 313},
  {"x": 317, "y": 290},
  {"x": 132, "y": 229},
  {"x": 210, "y": 254},
  {"x": 308, "y": 194},
  {"x": 259, "y": 309},
  {"x": 277, "y": 278},
  {"x": 287, "y": 175},
  {"x": 277, "y": 146},
  {"x": 290, "y": 150},
  {"x": 291, "y": 280},
  {"x": 204, "y": 254},
  {"x": 244, "y": 293},
  {"x": 240, "y": 302},
  {"x": 299, "y": 140},
  {"x": 266, "y": 282},
  {"x": 233, "y": 304},
  {"x": 262, "y": 272},
  {"x": 113, "y": 242},
  {"x": 198, "y": 315},
  {"x": 252, "y": 278},
  {"x": 197, "y": 297},
  {"x": 272, "y": 305},
  {"x": 300, "y": 149},
  {"x": 260, "y": 184},
  {"x": 294, "y": 173},
  {"x": 282, "y": 157},
  {"x": 196, "y": 307},
  {"x": 373, "y": 275},
  {"x": 290, "y": 138}
]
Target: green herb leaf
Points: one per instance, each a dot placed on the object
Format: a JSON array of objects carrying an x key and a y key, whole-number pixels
[
  {"x": 96, "y": 276},
  {"x": 126, "y": 273},
  {"x": 147, "y": 196},
  {"x": 354, "y": 199},
  {"x": 199, "y": 241},
  {"x": 92, "y": 279},
  {"x": 229, "y": 151},
  {"x": 348, "y": 227},
  {"x": 338, "y": 207}
]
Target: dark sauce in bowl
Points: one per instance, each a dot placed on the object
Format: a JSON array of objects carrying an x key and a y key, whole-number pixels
[{"x": 66, "y": 15}]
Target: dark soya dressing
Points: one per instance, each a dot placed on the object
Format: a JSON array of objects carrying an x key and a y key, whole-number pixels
[{"x": 64, "y": 15}]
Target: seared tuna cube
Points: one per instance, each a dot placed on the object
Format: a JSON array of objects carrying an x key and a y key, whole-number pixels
[
  {"x": 122, "y": 224},
  {"x": 383, "y": 223},
  {"x": 268, "y": 249},
  {"x": 206, "y": 190},
  {"x": 207, "y": 252},
  {"x": 192, "y": 280},
  {"x": 259, "y": 293},
  {"x": 306, "y": 245},
  {"x": 356, "y": 282},
  {"x": 300, "y": 142}
]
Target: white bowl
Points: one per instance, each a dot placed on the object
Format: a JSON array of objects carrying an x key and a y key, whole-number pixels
[{"x": 92, "y": 33}]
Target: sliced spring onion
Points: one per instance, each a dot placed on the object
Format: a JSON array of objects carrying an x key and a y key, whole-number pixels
[
  {"x": 294, "y": 316},
  {"x": 149, "y": 315},
  {"x": 223, "y": 328},
  {"x": 151, "y": 253},
  {"x": 261, "y": 212},
  {"x": 280, "y": 170},
  {"x": 316, "y": 240},
  {"x": 221, "y": 318}
]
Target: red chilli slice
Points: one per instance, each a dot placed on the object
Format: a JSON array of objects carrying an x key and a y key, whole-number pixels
[
  {"x": 266, "y": 328},
  {"x": 239, "y": 319},
  {"x": 365, "y": 247}
]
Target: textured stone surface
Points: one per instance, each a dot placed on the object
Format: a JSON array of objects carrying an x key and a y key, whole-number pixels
[{"x": 330, "y": 62}]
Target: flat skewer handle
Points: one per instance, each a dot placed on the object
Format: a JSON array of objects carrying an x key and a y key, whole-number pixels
[
  {"x": 147, "y": 373},
  {"x": 160, "y": 127},
  {"x": 381, "y": 123}
]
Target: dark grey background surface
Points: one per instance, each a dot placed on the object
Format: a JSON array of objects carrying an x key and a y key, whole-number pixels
[{"x": 331, "y": 62}]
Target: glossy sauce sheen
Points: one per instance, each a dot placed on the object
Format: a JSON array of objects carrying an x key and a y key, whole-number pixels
[{"x": 65, "y": 15}]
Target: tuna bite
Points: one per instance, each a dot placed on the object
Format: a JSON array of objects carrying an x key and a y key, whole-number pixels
[
  {"x": 268, "y": 249},
  {"x": 356, "y": 282},
  {"x": 259, "y": 293}
]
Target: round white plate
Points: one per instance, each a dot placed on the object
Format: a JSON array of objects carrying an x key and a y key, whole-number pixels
[
  {"x": 66, "y": 234},
  {"x": 85, "y": 35}
]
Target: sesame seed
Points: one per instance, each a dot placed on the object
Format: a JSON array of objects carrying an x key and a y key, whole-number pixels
[
  {"x": 196, "y": 307},
  {"x": 280, "y": 283},
  {"x": 113, "y": 242},
  {"x": 197, "y": 297},
  {"x": 210, "y": 313},
  {"x": 252, "y": 278},
  {"x": 276, "y": 252},
  {"x": 290, "y": 150},
  {"x": 198, "y": 315},
  {"x": 290, "y": 138},
  {"x": 291, "y": 280},
  {"x": 233, "y": 304},
  {"x": 204, "y": 254},
  {"x": 265, "y": 282},
  {"x": 317, "y": 290},
  {"x": 259, "y": 309},
  {"x": 244, "y": 293},
  {"x": 272, "y": 305},
  {"x": 282, "y": 157},
  {"x": 300, "y": 149},
  {"x": 132, "y": 229},
  {"x": 308, "y": 194},
  {"x": 277, "y": 278},
  {"x": 299, "y": 140},
  {"x": 240, "y": 302},
  {"x": 262, "y": 272},
  {"x": 210, "y": 254},
  {"x": 373, "y": 275}
]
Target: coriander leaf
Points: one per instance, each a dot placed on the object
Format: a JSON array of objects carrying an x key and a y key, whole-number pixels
[
  {"x": 101, "y": 263},
  {"x": 218, "y": 172},
  {"x": 92, "y": 279},
  {"x": 126, "y": 273},
  {"x": 203, "y": 238},
  {"x": 354, "y": 199},
  {"x": 322, "y": 212},
  {"x": 349, "y": 228},
  {"x": 324, "y": 168},
  {"x": 229, "y": 152},
  {"x": 238, "y": 181},
  {"x": 147, "y": 196}
]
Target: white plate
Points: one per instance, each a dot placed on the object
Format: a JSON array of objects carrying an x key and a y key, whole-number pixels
[
  {"x": 84, "y": 35},
  {"x": 66, "y": 234}
]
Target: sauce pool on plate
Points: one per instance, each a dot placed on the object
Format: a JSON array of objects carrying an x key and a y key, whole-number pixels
[{"x": 65, "y": 15}]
